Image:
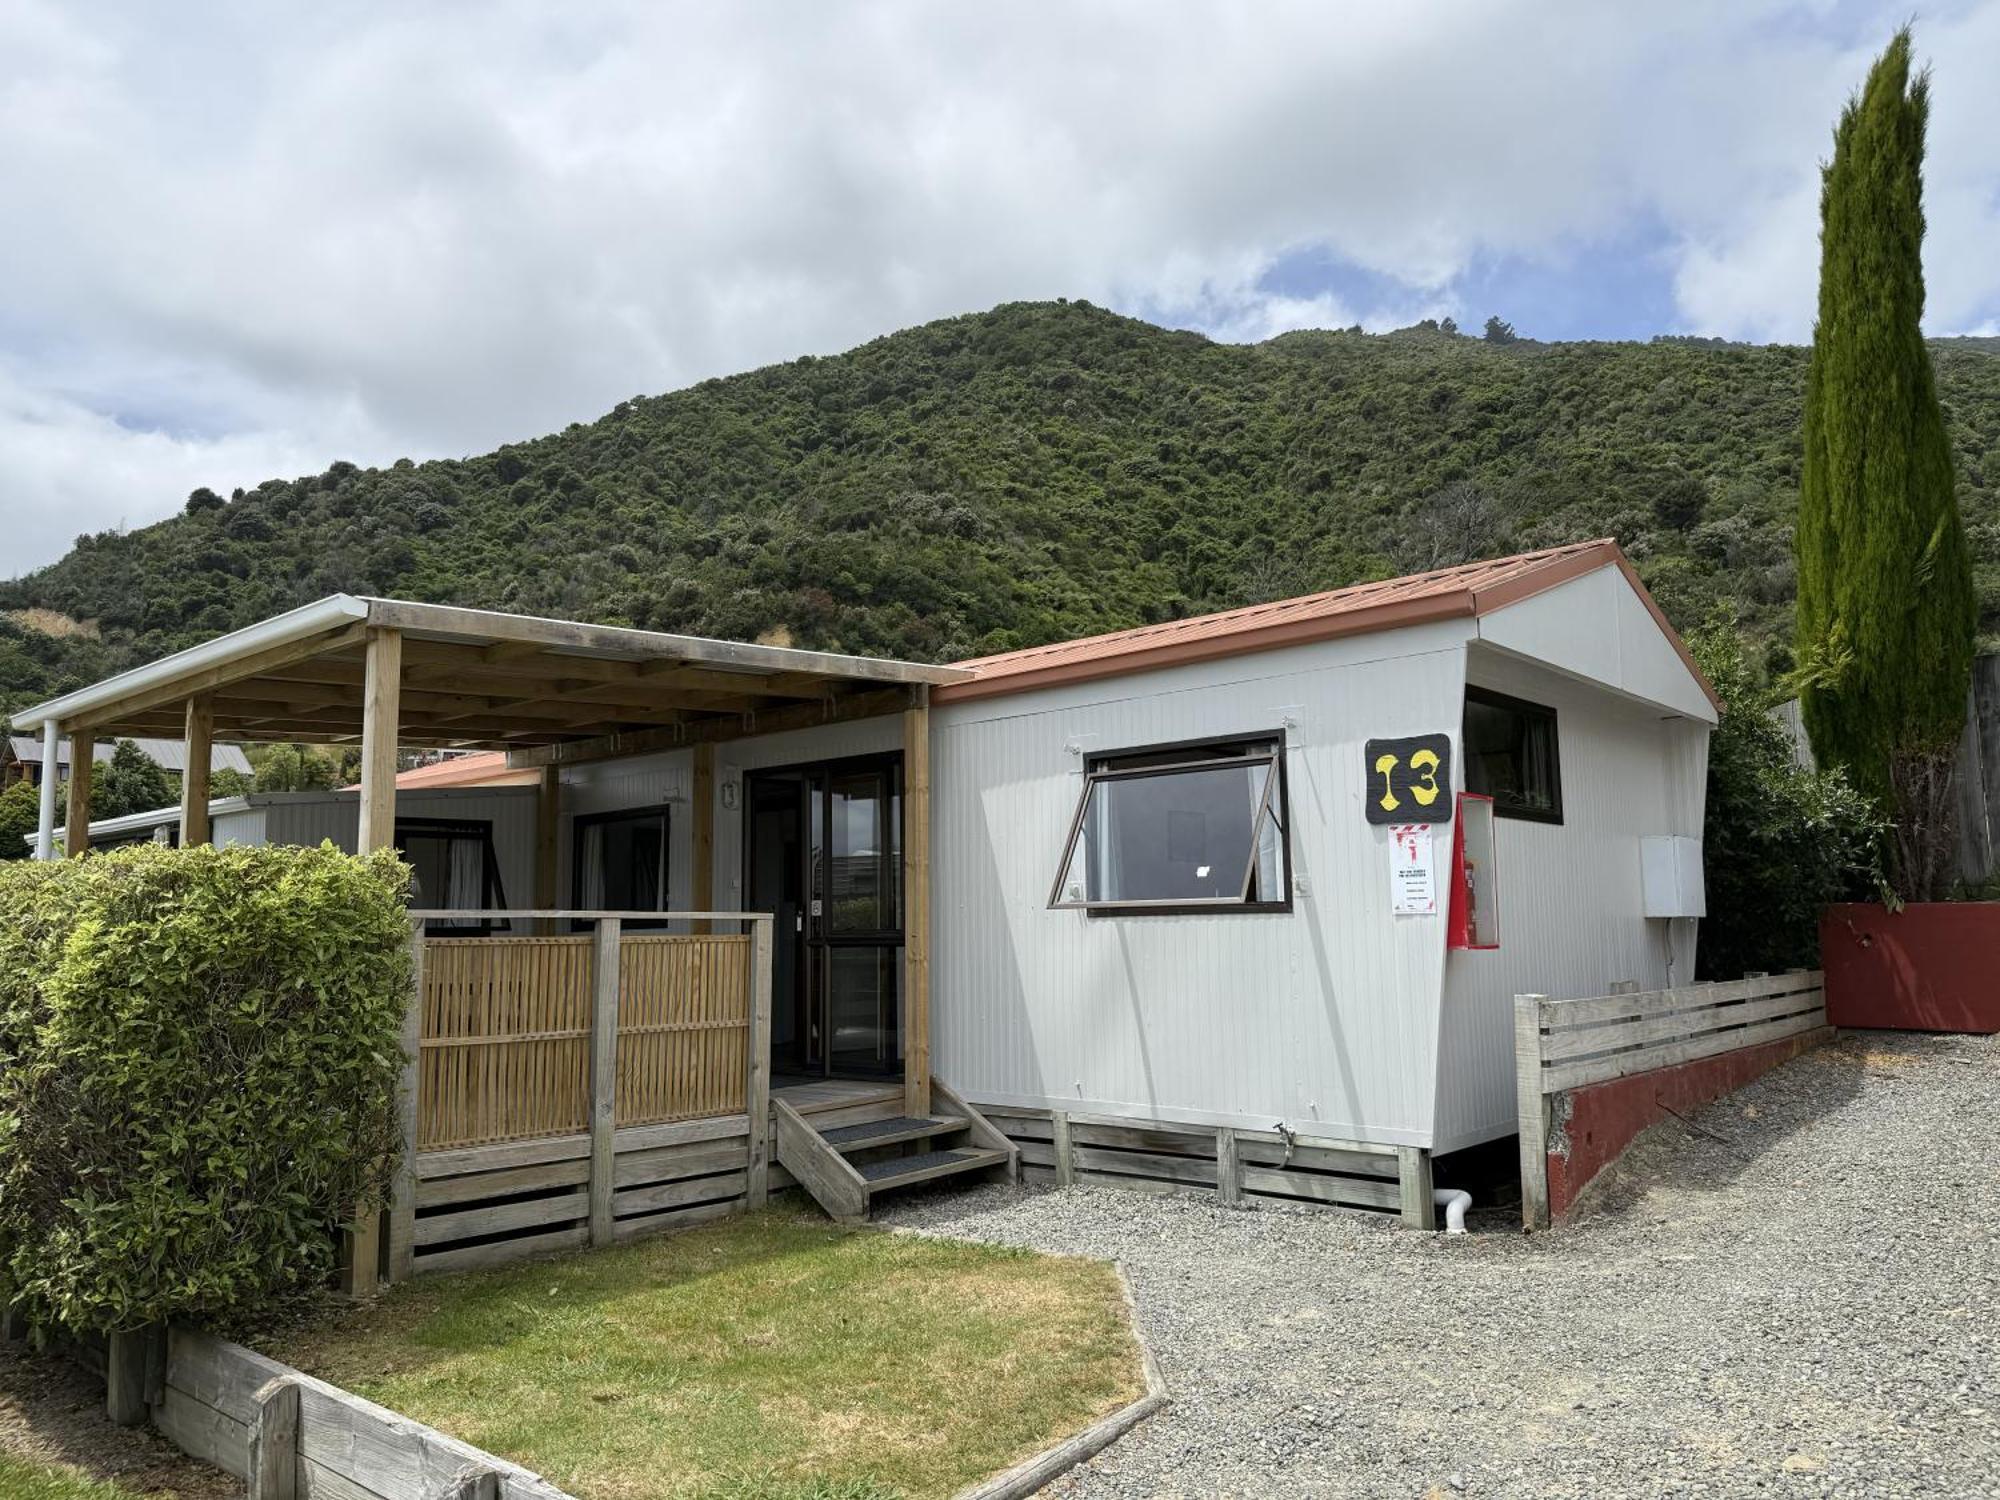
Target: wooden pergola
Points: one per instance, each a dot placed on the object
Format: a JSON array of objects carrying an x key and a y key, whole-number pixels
[{"x": 388, "y": 673}]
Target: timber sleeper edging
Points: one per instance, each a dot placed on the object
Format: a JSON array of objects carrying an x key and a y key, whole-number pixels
[{"x": 1033, "y": 1474}]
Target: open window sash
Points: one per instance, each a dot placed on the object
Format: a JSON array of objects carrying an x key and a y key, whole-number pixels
[{"x": 1091, "y": 868}]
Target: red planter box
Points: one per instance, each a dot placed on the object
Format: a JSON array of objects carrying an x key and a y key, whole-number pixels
[{"x": 1933, "y": 966}]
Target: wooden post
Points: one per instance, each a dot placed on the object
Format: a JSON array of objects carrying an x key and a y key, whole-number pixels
[
  {"x": 375, "y": 828},
  {"x": 403, "y": 1195},
  {"x": 701, "y": 794},
  {"x": 757, "y": 1087},
  {"x": 548, "y": 833},
  {"x": 76, "y": 820},
  {"x": 194, "y": 779},
  {"x": 381, "y": 713},
  {"x": 1413, "y": 1177},
  {"x": 1065, "y": 1158},
  {"x": 127, "y": 1361},
  {"x": 603, "y": 1077},
  {"x": 1531, "y": 1111},
  {"x": 917, "y": 904},
  {"x": 1228, "y": 1169},
  {"x": 274, "y": 1442}
]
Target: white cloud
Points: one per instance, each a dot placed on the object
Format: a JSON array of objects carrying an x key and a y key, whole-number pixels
[{"x": 267, "y": 239}]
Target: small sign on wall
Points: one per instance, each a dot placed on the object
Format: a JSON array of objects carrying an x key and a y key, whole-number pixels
[
  {"x": 1412, "y": 870},
  {"x": 1409, "y": 780}
]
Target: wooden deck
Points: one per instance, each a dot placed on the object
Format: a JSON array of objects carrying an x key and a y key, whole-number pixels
[{"x": 820, "y": 1094}]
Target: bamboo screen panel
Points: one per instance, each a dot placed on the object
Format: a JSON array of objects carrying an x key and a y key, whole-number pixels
[
  {"x": 683, "y": 1027},
  {"x": 506, "y": 1040}
]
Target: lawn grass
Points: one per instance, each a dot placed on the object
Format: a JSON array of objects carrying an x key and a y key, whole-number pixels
[
  {"x": 769, "y": 1355},
  {"x": 22, "y": 1480}
]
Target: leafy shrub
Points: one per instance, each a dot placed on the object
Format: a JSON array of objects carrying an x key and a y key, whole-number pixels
[
  {"x": 1780, "y": 840},
  {"x": 198, "y": 1068}
]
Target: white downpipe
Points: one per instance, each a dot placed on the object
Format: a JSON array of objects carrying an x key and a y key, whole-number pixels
[
  {"x": 1454, "y": 1202},
  {"x": 45, "y": 825}
]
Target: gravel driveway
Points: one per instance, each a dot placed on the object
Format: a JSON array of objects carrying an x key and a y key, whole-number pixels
[{"x": 1796, "y": 1294}]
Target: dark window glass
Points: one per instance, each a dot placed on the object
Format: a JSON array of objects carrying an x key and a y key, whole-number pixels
[
  {"x": 621, "y": 861},
  {"x": 1202, "y": 826},
  {"x": 1512, "y": 756},
  {"x": 453, "y": 868}
]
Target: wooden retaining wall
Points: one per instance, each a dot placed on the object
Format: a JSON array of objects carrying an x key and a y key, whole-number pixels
[
  {"x": 1238, "y": 1166},
  {"x": 1591, "y": 1074},
  {"x": 288, "y": 1435}
]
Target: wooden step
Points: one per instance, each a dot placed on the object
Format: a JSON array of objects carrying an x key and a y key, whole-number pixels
[
  {"x": 848, "y": 1139},
  {"x": 901, "y": 1171}
]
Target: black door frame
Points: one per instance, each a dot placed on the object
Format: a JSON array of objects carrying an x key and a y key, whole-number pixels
[{"x": 814, "y": 942}]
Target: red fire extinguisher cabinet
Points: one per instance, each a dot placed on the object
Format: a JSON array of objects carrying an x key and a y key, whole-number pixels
[{"x": 1475, "y": 876}]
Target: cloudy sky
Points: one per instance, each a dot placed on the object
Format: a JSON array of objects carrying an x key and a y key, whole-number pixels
[{"x": 244, "y": 240}]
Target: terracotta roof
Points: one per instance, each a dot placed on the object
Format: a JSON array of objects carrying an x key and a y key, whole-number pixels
[
  {"x": 489, "y": 768},
  {"x": 1470, "y": 590}
]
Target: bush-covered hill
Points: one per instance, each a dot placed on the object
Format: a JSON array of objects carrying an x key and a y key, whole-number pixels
[{"x": 1033, "y": 472}]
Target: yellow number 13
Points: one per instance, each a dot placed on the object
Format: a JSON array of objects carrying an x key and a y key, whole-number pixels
[{"x": 1425, "y": 790}]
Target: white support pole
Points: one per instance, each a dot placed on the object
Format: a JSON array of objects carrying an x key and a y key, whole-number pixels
[{"x": 45, "y": 827}]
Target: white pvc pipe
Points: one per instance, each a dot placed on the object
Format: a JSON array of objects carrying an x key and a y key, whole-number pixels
[
  {"x": 45, "y": 825},
  {"x": 1454, "y": 1202}
]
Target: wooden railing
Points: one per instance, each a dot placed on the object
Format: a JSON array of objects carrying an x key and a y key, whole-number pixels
[
  {"x": 520, "y": 1039},
  {"x": 1565, "y": 1045},
  {"x": 506, "y": 1036}
]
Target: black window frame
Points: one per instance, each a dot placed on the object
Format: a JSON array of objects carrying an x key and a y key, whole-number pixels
[
  {"x": 493, "y": 890},
  {"x": 1180, "y": 755},
  {"x": 665, "y": 813},
  {"x": 1503, "y": 806}
]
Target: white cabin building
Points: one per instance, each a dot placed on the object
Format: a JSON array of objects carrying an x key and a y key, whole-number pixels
[{"x": 1238, "y": 902}]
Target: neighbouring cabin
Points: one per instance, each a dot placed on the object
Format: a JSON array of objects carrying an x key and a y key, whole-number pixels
[{"x": 1236, "y": 904}]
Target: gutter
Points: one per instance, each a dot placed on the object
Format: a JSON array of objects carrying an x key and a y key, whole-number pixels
[
  {"x": 155, "y": 817},
  {"x": 280, "y": 630}
]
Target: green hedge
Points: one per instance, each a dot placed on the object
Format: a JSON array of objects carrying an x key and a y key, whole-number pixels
[{"x": 199, "y": 1051}]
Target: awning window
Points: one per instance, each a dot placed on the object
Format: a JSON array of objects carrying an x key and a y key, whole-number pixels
[{"x": 1179, "y": 828}]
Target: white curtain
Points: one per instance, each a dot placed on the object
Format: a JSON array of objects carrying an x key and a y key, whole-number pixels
[
  {"x": 465, "y": 882},
  {"x": 590, "y": 862}
]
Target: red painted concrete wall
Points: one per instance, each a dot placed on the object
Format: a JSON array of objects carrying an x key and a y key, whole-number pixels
[
  {"x": 1595, "y": 1123},
  {"x": 1933, "y": 966}
]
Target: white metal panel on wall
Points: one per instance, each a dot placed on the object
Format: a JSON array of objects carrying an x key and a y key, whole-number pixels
[
  {"x": 1322, "y": 1018},
  {"x": 659, "y": 780},
  {"x": 1571, "y": 907},
  {"x": 667, "y": 779},
  {"x": 240, "y": 827},
  {"x": 1597, "y": 627}
]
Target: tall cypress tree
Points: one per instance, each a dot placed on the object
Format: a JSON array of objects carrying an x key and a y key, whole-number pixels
[{"x": 1886, "y": 611}]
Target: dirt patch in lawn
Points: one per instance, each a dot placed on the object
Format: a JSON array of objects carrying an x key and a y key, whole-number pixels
[
  {"x": 52, "y": 1415},
  {"x": 769, "y": 1355}
]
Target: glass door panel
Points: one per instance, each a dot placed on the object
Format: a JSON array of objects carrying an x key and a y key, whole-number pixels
[
  {"x": 824, "y": 847},
  {"x": 862, "y": 1024}
]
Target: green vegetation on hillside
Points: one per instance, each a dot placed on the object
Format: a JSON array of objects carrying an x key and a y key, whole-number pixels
[{"x": 1038, "y": 471}]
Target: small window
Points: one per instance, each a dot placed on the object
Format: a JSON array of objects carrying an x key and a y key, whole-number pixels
[
  {"x": 1512, "y": 756},
  {"x": 620, "y": 862},
  {"x": 453, "y": 868},
  {"x": 1184, "y": 828}
]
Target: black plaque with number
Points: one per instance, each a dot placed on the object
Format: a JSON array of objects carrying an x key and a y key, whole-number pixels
[{"x": 1409, "y": 781}]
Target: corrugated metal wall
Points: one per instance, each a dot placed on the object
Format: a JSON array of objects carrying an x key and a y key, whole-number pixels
[
  {"x": 1570, "y": 907},
  {"x": 308, "y": 817},
  {"x": 667, "y": 778},
  {"x": 1324, "y": 1018}
]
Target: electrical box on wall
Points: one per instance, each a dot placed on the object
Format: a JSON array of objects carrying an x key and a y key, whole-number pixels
[
  {"x": 1475, "y": 876},
  {"x": 1670, "y": 876}
]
